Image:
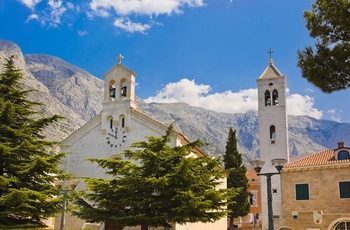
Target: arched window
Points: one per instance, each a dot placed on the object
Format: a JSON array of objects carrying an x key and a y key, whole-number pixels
[
  {"x": 267, "y": 98},
  {"x": 111, "y": 123},
  {"x": 275, "y": 97},
  {"x": 123, "y": 87},
  {"x": 343, "y": 225},
  {"x": 343, "y": 155},
  {"x": 112, "y": 90},
  {"x": 272, "y": 134},
  {"x": 123, "y": 122}
]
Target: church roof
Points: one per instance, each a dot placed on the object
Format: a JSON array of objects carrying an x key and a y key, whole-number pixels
[
  {"x": 271, "y": 71},
  {"x": 323, "y": 158},
  {"x": 119, "y": 66}
]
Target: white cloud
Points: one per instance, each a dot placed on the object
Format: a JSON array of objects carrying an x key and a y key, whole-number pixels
[
  {"x": 198, "y": 95},
  {"x": 82, "y": 33},
  {"x": 56, "y": 12},
  {"x": 70, "y": 5},
  {"x": 49, "y": 12},
  {"x": 308, "y": 90},
  {"x": 30, "y": 3},
  {"x": 127, "y": 25},
  {"x": 334, "y": 114},
  {"x": 143, "y": 7},
  {"x": 55, "y": 4},
  {"x": 53, "y": 12},
  {"x": 228, "y": 102},
  {"x": 32, "y": 17},
  {"x": 302, "y": 105},
  {"x": 125, "y": 9}
]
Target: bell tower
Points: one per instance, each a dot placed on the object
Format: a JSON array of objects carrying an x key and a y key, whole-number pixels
[
  {"x": 273, "y": 133},
  {"x": 118, "y": 97}
]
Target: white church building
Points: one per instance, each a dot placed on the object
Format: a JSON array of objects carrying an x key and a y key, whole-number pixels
[{"x": 119, "y": 125}]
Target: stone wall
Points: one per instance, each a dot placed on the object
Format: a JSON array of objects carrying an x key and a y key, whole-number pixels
[{"x": 324, "y": 205}]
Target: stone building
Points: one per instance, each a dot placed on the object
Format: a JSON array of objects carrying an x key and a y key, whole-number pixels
[
  {"x": 119, "y": 125},
  {"x": 253, "y": 219},
  {"x": 316, "y": 191}
]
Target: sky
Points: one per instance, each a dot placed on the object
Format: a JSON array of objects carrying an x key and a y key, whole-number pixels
[{"x": 207, "y": 53}]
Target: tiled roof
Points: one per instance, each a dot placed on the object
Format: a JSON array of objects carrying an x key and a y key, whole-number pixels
[
  {"x": 323, "y": 158},
  {"x": 252, "y": 177}
]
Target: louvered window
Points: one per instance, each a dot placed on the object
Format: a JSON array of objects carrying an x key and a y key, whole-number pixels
[
  {"x": 344, "y": 189},
  {"x": 302, "y": 191}
]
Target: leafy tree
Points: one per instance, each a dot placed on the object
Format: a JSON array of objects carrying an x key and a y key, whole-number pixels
[
  {"x": 157, "y": 185},
  {"x": 327, "y": 65},
  {"x": 26, "y": 166},
  {"x": 237, "y": 179}
]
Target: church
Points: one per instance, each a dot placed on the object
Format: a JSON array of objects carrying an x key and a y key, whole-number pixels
[{"x": 119, "y": 125}]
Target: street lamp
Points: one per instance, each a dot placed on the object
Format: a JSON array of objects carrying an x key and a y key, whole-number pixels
[
  {"x": 278, "y": 163},
  {"x": 59, "y": 183}
]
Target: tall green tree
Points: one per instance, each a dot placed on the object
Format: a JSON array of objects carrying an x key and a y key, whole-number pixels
[
  {"x": 236, "y": 179},
  {"x": 156, "y": 185},
  {"x": 27, "y": 169},
  {"x": 327, "y": 64}
]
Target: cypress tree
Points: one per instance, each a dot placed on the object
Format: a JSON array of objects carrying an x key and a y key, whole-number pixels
[
  {"x": 236, "y": 179},
  {"x": 27, "y": 169}
]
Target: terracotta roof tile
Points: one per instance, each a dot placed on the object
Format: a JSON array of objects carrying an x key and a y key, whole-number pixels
[
  {"x": 325, "y": 157},
  {"x": 252, "y": 177}
]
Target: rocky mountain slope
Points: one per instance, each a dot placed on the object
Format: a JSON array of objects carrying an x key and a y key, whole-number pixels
[{"x": 70, "y": 91}]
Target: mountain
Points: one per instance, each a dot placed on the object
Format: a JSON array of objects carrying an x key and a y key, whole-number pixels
[{"x": 76, "y": 94}]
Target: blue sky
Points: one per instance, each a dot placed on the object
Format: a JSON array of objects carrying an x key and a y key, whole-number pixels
[{"x": 207, "y": 53}]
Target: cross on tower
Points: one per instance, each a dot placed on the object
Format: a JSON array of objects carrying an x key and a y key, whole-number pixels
[
  {"x": 119, "y": 58},
  {"x": 270, "y": 52}
]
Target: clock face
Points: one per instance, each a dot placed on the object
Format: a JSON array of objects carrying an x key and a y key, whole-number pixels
[{"x": 116, "y": 137}]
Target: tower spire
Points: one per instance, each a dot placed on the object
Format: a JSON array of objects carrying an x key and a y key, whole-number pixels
[{"x": 270, "y": 61}]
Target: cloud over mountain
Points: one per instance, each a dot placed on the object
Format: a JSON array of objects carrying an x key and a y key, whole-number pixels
[{"x": 242, "y": 101}]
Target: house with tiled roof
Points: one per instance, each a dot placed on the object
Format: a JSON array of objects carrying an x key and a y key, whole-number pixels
[
  {"x": 253, "y": 218},
  {"x": 316, "y": 191}
]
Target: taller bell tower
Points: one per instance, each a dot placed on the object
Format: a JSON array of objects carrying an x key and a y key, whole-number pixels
[{"x": 273, "y": 133}]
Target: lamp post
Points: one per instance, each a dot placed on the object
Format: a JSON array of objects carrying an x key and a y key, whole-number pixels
[
  {"x": 254, "y": 217},
  {"x": 278, "y": 163},
  {"x": 59, "y": 183}
]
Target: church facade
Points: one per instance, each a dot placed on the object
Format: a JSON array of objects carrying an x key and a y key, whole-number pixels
[{"x": 119, "y": 125}]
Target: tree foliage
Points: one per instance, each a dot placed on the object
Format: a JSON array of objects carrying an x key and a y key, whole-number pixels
[
  {"x": 156, "y": 185},
  {"x": 236, "y": 179},
  {"x": 26, "y": 166},
  {"x": 327, "y": 64}
]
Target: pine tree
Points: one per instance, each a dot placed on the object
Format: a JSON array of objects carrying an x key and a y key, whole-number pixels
[
  {"x": 236, "y": 179},
  {"x": 27, "y": 169},
  {"x": 326, "y": 65},
  {"x": 164, "y": 187}
]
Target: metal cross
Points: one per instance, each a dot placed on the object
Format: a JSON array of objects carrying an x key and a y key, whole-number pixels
[
  {"x": 270, "y": 52},
  {"x": 119, "y": 58}
]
